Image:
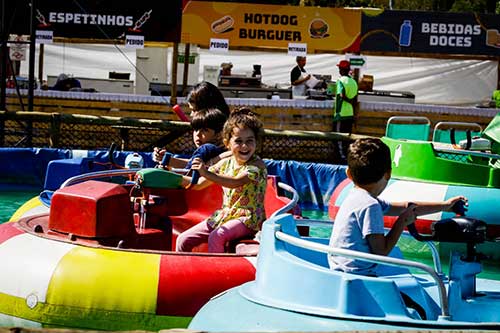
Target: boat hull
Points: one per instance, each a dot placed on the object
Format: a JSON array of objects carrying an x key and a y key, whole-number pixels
[
  {"x": 45, "y": 282},
  {"x": 295, "y": 290},
  {"x": 254, "y": 317},
  {"x": 99, "y": 259}
]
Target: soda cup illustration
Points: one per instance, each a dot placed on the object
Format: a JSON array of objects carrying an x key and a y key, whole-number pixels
[{"x": 405, "y": 33}]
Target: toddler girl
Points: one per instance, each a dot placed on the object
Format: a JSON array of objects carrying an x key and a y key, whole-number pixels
[{"x": 243, "y": 178}]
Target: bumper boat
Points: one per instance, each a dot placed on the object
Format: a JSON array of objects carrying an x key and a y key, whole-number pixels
[
  {"x": 102, "y": 257},
  {"x": 435, "y": 170},
  {"x": 295, "y": 290}
]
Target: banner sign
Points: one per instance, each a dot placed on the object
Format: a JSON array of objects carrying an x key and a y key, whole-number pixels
[
  {"x": 271, "y": 26},
  {"x": 17, "y": 51},
  {"x": 431, "y": 32},
  {"x": 100, "y": 19}
]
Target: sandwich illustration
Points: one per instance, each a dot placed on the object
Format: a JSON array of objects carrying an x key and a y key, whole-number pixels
[
  {"x": 223, "y": 24},
  {"x": 318, "y": 28}
]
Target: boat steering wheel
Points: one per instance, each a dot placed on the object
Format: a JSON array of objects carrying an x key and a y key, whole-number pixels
[{"x": 458, "y": 208}]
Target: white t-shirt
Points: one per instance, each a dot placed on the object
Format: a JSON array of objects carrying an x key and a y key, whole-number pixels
[{"x": 359, "y": 215}]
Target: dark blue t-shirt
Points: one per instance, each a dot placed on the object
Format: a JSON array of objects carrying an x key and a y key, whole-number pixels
[{"x": 206, "y": 152}]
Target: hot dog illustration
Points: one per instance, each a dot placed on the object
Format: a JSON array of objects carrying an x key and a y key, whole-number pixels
[{"x": 223, "y": 24}]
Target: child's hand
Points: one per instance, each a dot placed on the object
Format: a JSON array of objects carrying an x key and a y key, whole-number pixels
[
  {"x": 199, "y": 165},
  {"x": 158, "y": 154},
  {"x": 453, "y": 204},
  {"x": 408, "y": 216}
]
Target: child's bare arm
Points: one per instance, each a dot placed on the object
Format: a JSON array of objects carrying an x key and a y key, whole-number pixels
[
  {"x": 423, "y": 208},
  {"x": 219, "y": 157},
  {"x": 173, "y": 162},
  {"x": 383, "y": 244},
  {"x": 225, "y": 181},
  {"x": 202, "y": 183},
  {"x": 178, "y": 163}
]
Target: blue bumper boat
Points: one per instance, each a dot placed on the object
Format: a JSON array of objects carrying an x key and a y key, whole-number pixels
[{"x": 295, "y": 290}]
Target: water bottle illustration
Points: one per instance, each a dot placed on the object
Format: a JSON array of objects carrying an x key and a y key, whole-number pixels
[{"x": 405, "y": 33}]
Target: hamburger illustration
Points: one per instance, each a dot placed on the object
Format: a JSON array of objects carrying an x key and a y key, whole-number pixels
[{"x": 318, "y": 28}]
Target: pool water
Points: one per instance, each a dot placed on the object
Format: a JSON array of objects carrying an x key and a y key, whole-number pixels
[{"x": 10, "y": 201}]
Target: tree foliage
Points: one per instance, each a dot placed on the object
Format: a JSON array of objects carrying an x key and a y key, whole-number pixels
[{"x": 476, "y": 6}]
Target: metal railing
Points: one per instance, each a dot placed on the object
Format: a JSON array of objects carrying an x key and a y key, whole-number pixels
[
  {"x": 443, "y": 300},
  {"x": 293, "y": 202},
  {"x": 98, "y": 174}
]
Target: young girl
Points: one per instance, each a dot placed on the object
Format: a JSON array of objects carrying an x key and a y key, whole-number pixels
[{"x": 243, "y": 178}]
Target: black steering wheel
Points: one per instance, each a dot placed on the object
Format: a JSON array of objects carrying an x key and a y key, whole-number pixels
[{"x": 458, "y": 208}]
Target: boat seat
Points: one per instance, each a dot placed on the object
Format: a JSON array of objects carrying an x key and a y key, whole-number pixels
[
  {"x": 452, "y": 132},
  {"x": 249, "y": 247},
  {"x": 408, "y": 127},
  {"x": 273, "y": 201}
]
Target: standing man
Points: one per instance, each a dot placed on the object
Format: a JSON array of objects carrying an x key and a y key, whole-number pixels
[
  {"x": 346, "y": 99},
  {"x": 298, "y": 77}
]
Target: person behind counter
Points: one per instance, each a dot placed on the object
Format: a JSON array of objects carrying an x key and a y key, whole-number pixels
[
  {"x": 225, "y": 68},
  {"x": 298, "y": 77}
]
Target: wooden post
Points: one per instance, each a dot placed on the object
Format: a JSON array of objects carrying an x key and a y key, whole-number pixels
[
  {"x": 173, "y": 93},
  {"x": 124, "y": 135},
  {"x": 186, "y": 69},
  {"x": 40, "y": 64},
  {"x": 55, "y": 130}
]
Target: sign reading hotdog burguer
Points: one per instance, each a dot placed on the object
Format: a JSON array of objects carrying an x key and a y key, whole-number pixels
[{"x": 271, "y": 26}]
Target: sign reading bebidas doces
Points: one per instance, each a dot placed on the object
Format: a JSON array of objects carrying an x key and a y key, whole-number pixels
[
  {"x": 431, "y": 32},
  {"x": 101, "y": 19}
]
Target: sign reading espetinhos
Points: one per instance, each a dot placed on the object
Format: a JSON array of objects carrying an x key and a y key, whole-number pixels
[{"x": 99, "y": 19}]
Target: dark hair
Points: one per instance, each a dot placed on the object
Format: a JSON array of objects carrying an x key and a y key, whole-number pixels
[
  {"x": 208, "y": 118},
  {"x": 368, "y": 160},
  {"x": 207, "y": 96},
  {"x": 242, "y": 118},
  {"x": 344, "y": 71}
]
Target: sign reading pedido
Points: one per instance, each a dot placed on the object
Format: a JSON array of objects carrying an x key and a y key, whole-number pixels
[{"x": 219, "y": 45}]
